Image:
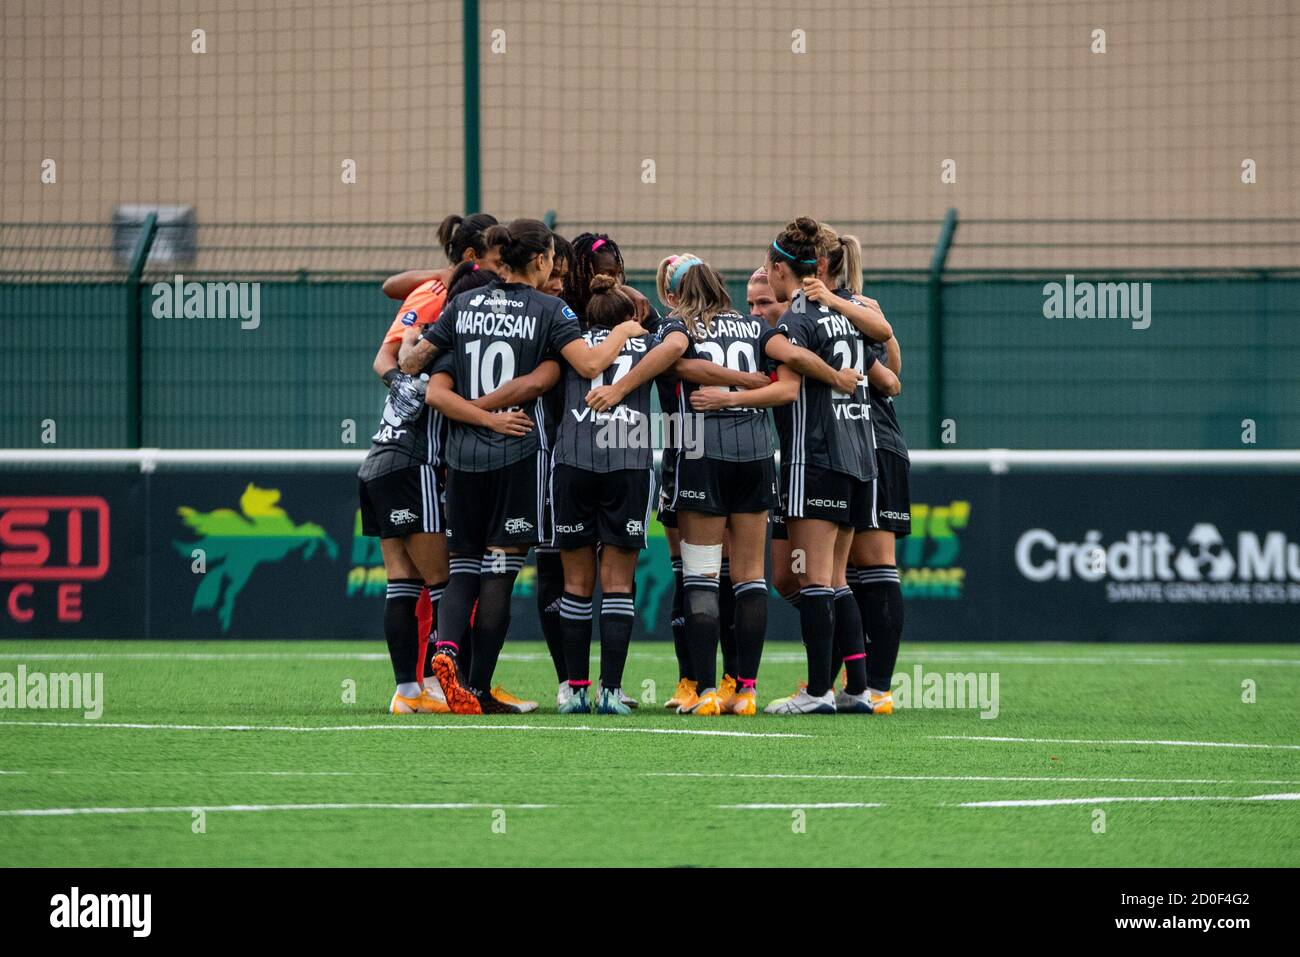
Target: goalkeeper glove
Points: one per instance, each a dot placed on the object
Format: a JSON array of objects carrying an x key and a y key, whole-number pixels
[{"x": 406, "y": 395}]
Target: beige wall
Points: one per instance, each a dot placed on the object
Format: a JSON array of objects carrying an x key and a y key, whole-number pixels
[{"x": 741, "y": 129}]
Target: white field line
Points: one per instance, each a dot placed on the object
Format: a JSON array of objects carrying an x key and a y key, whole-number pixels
[
  {"x": 297, "y": 729},
  {"x": 1011, "y": 779},
  {"x": 1033, "y": 802},
  {"x": 191, "y": 772},
  {"x": 917, "y": 656},
  {"x": 1133, "y": 741},
  {"x": 1057, "y": 802},
  {"x": 253, "y": 808},
  {"x": 793, "y": 807}
]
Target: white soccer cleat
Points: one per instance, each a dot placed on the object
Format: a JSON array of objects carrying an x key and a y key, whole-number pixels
[
  {"x": 562, "y": 695},
  {"x": 803, "y": 703},
  {"x": 846, "y": 703},
  {"x": 623, "y": 696}
]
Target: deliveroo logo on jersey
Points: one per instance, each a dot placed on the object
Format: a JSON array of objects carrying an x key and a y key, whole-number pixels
[
  {"x": 234, "y": 544},
  {"x": 927, "y": 558}
]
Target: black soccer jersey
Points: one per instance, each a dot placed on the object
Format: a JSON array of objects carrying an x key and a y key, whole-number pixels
[
  {"x": 398, "y": 445},
  {"x": 619, "y": 438},
  {"x": 827, "y": 428},
  {"x": 666, "y": 385},
  {"x": 497, "y": 333},
  {"x": 730, "y": 435},
  {"x": 884, "y": 420}
]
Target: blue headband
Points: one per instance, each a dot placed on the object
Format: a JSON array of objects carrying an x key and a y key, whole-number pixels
[
  {"x": 680, "y": 269},
  {"x": 806, "y": 262}
]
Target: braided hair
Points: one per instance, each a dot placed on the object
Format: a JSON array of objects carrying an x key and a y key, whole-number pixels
[{"x": 577, "y": 285}]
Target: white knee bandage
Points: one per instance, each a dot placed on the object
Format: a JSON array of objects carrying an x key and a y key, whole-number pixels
[{"x": 701, "y": 560}]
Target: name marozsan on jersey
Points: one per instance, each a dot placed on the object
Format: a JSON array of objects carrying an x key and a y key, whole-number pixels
[{"x": 493, "y": 334}]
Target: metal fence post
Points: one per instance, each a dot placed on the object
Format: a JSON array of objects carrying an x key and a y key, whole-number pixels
[
  {"x": 935, "y": 324},
  {"x": 470, "y": 54},
  {"x": 135, "y": 333}
]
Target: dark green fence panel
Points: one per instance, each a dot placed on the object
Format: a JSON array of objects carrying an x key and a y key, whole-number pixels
[
  {"x": 292, "y": 382},
  {"x": 63, "y": 359},
  {"x": 1216, "y": 352}
]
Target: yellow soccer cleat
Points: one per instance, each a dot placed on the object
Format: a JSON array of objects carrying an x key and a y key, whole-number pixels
[
  {"x": 432, "y": 703},
  {"x": 685, "y": 692},
  {"x": 727, "y": 689},
  {"x": 742, "y": 702},
  {"x": 708, "y": 704},
  {"x": 882, "y": 703},
  {"x": 519, "y": 704},
  {"x": 424, "y": 703}
]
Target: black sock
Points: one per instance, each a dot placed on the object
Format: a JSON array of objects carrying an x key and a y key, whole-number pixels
[
  {"x": 727, "y": 622},
  {"x": 700, "y": 597},
  {"x": 617, "y": 614},
  {"x": 435, "y": 597},
  {"x": 751, "y": 629},
  {"x": 884, "y": 621},
  {"x": 850, "y": 648},
  {"x": 401, "y": 629},
  {"x": 550, "y": 586},
  {"x": 575, "y": 618},
  {"x": 817, "y": 618},
  {"x": 456, "y": 607},
  {"x": 492, "y": 619},
  {"x": 678, "y": 624},
  {"x": 859, "y": 588}
]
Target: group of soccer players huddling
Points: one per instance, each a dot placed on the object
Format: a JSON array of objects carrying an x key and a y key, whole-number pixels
[{"x": 519, "y": 387}]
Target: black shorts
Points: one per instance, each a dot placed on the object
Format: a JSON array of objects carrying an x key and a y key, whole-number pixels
[
  {"x": 667, "y": 488},
  {"x": 810, "y": 491},
  {"x": 548, "y": 512},
  {"x": 608, "y": 507},
  {"x": 715, "y": 487},
  {"x": 404, "y": 502},
  {"x": 892, "y": 510},
  {"x": 503, "y": 508},
  {"x": 780, "y": 531}
]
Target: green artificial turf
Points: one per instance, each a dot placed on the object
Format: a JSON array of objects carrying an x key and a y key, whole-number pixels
[{"x": 610, "y": 794}]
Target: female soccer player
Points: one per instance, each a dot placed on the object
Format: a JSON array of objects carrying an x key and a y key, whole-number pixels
[
  {"x": 827, "y": 464},
  {"x": 700, "y": 372},
  {"x": 844, "y": 267},
  {"x": 873, "y": 570},
  {"x": 550, "y": 573},
  {"x": 401, "y": 482},
  {"x": 424, "y": 293},
  {"x": 462, "y": 241},
  {"x": 764, "y": 304},
  {"x": 590, "y": 255},
  {"x": 730, "y": 486},
  {"x": 495, "y": 500},
  {"x": 602, "y": 485}
]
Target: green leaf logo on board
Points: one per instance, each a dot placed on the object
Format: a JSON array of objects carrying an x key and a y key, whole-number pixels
[{"x": 235, "y": 543}]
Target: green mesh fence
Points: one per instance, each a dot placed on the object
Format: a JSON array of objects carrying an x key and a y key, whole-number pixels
[{"x": 1218, "y": 351}]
